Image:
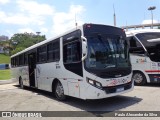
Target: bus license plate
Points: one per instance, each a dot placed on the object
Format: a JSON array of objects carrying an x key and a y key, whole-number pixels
[{"x": 120, "y": 89}]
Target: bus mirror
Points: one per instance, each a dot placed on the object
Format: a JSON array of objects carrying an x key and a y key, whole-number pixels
[{"x": 84, "y": 48}]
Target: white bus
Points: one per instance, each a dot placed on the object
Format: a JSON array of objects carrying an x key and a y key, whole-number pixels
[
  {"x": 145, "y": 55},
  {"x": 88, "y": 62}
]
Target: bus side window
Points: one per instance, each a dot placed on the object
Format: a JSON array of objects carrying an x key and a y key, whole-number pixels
[
  {"x": 133, "y": 42},
  {"x": 12, "y": 61},
  {"x": 21, "y": 59},
  {"x": 42, "y": 54},
  {"x": 53, "y": 51},
  {"x": 135, "y": 46},
  {"x": 72, "y": 52},
  {"x": 25, "y": 59}
]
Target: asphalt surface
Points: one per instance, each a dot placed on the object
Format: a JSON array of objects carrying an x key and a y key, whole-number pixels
[{"x": 142, "y": 98}]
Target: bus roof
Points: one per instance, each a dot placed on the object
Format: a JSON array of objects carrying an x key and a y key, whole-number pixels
[
  {"x": 45, "y": 41},
  {"x": 134, "y": 32}
]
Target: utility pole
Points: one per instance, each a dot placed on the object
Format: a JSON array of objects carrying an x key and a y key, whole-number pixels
[
  {"x": 114, "y": 16},
  {"x": 76, "y": 24}
]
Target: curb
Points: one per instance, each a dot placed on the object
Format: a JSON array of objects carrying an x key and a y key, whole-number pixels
[{"x": 6, "y": 81}]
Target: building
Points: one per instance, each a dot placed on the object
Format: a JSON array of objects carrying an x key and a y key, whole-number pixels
[{"x": 3, "y": 38}]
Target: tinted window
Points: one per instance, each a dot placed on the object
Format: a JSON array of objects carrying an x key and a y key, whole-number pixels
[
  {"x": 16, "y": 61},
  {"x": 12, "y": 62},
  {"x": 135, "y": 46},
  {"x": 25, "y": 58},
  {"x": 72, "y": 52},
  {"x": 146, "y": 38},
  {"x": 134, "y": 43},
  {"x": 42, "y": 54},
  {"x": 21, "y": 59},
  {"x": 53, "y": 51}
]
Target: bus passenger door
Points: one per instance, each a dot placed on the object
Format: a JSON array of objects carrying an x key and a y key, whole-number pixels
[{"x": 32, "y": 67}]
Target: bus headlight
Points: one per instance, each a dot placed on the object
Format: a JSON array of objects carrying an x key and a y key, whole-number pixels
[{"x": 94, "y": 83}]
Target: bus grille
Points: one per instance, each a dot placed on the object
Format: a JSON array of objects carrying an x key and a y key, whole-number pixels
[{"x": 113, "y": 89}]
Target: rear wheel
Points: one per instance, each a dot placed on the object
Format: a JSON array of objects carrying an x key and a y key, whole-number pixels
[
  {"x": 139, "y": 78},
  {"x": 21, "y": 83},
  {"x": 59, "y": 91}
]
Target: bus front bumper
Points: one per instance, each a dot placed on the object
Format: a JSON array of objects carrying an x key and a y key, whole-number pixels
[{"x": 95, "y": 93}]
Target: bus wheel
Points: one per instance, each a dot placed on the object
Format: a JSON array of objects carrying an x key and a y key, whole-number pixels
[
  {"x": 59, "y": 91},
  {"x": 139, "y": 78},
  {"x": 21, "y": 83}
]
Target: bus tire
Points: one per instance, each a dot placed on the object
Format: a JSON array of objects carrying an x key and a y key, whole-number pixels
[
  {"x": 139, "y": 78},
  {"x": 21, "y": 83},
  {"x": 59, "y": 91}
]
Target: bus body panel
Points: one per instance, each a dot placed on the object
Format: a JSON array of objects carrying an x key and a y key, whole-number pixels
[{"x": 20, "y": 72}]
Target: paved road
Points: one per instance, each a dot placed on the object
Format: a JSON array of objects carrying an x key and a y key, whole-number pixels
[{"x": 146, "y": 98}]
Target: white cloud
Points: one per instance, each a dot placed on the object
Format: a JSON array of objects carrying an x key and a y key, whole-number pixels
[
  {"x": 19, "y": 19},
  {"x": 4, "y": 1},
  {"x": 28, "y": 30},
  {"x": 44, "y": 30},
  {"x": 29, "y": 13},
  {"x": 2, "y": 15},
  {"x": 62, "y": 21},
  {"x": 10, "y": 34},
  {"x": 33, "y": 7},
  {"x": 149, "y": 21}
]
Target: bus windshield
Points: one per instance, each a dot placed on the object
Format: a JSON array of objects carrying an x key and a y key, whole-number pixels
[
  {"x": 151, "y": 42},
  {"x": 107, "y": 51},
  {"x": 149, "y": 39}
]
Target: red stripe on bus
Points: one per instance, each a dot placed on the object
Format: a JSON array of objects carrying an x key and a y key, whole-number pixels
[{"x": 152, "y": 70}]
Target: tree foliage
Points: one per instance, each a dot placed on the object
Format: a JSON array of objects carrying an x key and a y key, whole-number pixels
[{"x": 20, "y": 41}]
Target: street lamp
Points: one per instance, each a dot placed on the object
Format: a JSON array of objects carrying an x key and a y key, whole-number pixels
[
  {"x": 151, "y": 9},
  {"x": 38, "y": 33}
]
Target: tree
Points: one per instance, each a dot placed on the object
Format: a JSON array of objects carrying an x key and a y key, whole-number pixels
[{"x": 20, "y": 41}]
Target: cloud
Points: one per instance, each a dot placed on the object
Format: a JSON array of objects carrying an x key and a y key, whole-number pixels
[
  {"x": 149, "y": 21},
  {"x": 34, "y": 8},
  {"x": 28, "y": 30},
  {"x": 62, "y": 21},
  {"x": 19, "y": 19},
  {"x": 4, "y": 1},
  {"x": 44, "y": 30},
  {"x": 28, "y": 13}
]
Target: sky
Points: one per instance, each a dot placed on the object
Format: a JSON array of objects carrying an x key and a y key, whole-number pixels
[{"x": 53, "y": 17}]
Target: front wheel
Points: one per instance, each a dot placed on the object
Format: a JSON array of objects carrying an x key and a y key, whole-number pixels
[
  {"x": 59, "y": 91},
  {"x": 139, "y": 78}
]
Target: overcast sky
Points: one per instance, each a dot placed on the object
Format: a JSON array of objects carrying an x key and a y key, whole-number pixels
[{"x": 52, "y": 17}]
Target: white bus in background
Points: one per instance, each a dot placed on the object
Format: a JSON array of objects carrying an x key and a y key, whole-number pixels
[
  {"x": 145, "y": 55},
  {"x": 88, "y": 62}
]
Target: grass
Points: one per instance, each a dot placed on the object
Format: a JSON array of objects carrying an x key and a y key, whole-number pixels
[
  {"x": 5, "y": 74},
  {"x": 4, "y": 59}
]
